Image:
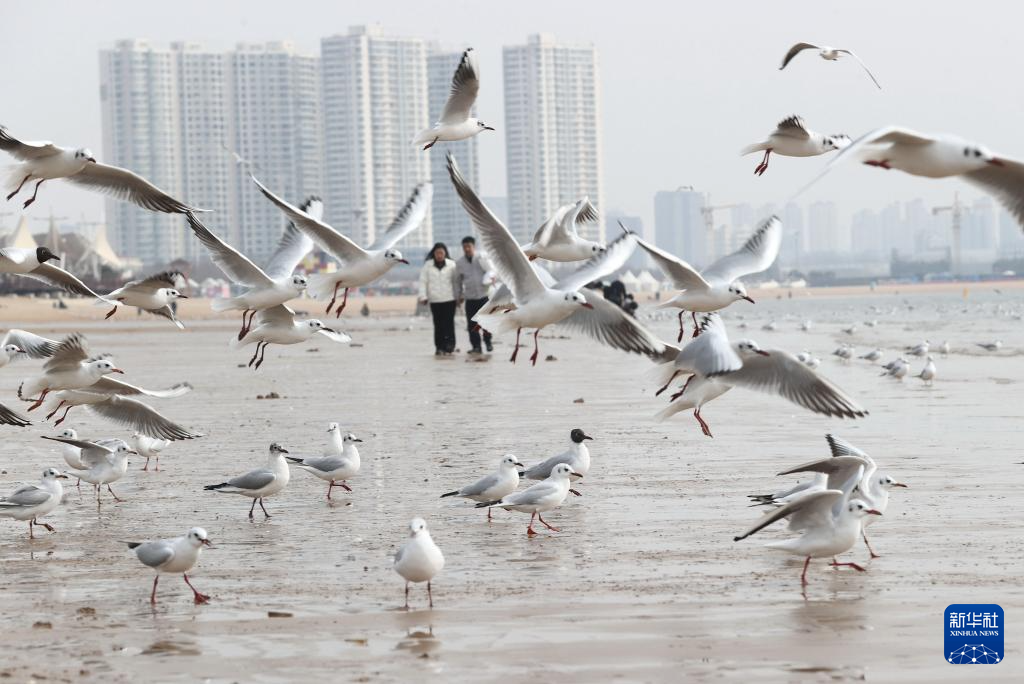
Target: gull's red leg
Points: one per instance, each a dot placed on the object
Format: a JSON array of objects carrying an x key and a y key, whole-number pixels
[
  {"x": 536, "y": 349},
  {"x": 515, "y": 351}
]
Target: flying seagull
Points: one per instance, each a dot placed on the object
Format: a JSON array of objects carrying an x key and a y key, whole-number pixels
[
  {"x": 828, "y": 53},
  {"x": 455, "y": 122}
]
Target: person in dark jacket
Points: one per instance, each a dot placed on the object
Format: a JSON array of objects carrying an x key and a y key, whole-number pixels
[{"x": 470, "y": 288}]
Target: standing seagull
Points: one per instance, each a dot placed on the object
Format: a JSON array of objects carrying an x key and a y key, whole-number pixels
[
  {"x": 940, "y": 156},
  {"x": 31, "y": 263},
  {"x": 277, "y": 325},
  {"x": 107, "y": 461},
  {"x": 577, "y": 456},
  {"x": 828, "y": 53},
  {"x": 261, "y": 482},
  {"x": 540, "y": 498},
  {"x": 148, "y": 448},
  {"x": 927, "y": 373},
  {"x": 455, "y": 122},
  {"x": 559, "y": 239},
  {"x": 792, "y": 138},
  {"x": 153, "y": 294},
  {"x": 357, "y": 266},
  {"x": 268, "y": 287},
  {"x": 179, "y": 554},
  {"x": 419, "y": 559},
  {"x": 30, "y": 502},
  {"x": 718, "y": 285},
  {"x": 43, "y": 161},
  {"x": 333, "y": 467},
  {"x": 70, "y": 367},
  {"x": 990, "y": 346},
  {"x": 18, "y": 344},
  {"x": 494, "y": 486}
]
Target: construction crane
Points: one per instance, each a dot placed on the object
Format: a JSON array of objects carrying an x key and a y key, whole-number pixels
[
  {"x": 708, "y": 211},
  {"x": 956, "y": 211}
]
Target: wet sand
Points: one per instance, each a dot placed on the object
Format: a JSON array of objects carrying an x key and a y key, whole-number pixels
[{"x": 643, "y": 583}]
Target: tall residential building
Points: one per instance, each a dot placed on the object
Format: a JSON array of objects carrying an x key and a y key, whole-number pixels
[
  {"x": 450, "y": 221},
  {"x": 141, "y": 114},
  {"x": 275, "y": 124},
  {"x": 824, "y": 234},
  {"x": 552, "y": 132},
  {"x": 374, "y": 103},
  {"x": 679, "y": 225}
]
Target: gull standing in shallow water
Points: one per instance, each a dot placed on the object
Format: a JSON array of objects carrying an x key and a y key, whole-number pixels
[
  {"x": 455, "y": 122},
  {"x": 179, "y": 554},
  {"x": 577, "y": 457},
  {"x": 261, "y": 482},
  {"x": 338, "y": 464},
  {"x": 268, "y": 287},
  {"x": 718, "y": 286},
  {"x": 792, "y": 138},
  {"x": 540, "y": 498},
  {"x": 105, "y": 461},
  {"x": 148, "y": 448},
  {"x": 419, "y": 559},
  {"x": 30, "y": 502},
  {"x": 357, "y": 266},
  {"x": 494, "y": 486},
  {"x": 277, "y": 325}
]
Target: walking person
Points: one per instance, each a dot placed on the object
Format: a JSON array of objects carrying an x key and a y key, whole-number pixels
[
  {"x": 438, "y": 288},
  {"x": 471, "y": 269}
]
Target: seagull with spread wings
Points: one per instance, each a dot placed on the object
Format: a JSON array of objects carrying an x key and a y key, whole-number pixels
[
  {"x": 19, "y": 344},
  {"x": 792, "y": 138},
  {"x": 827, "y": 53},
  {"x": 559, "y": 239},
  {"x": 153, "y": 294},
  {"x": 70, "y": 367},
  {"x": 31, "y": 263},
  {"x": 277, "y": 325},
  {"x": 43, "y": 161},
  {"x": 357, "y": 266},
  {"x": 455, "y": 122}
]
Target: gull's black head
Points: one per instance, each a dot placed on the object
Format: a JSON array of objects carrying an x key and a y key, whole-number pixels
[
  {"x": 578, "y": 436},
  {"x": 43, "y": 255}
]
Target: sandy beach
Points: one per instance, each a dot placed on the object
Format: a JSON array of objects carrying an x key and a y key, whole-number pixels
[{"x": 642, "y": 584}]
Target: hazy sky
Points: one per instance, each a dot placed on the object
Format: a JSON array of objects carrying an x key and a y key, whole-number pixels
[{"x": 684, "y": 85}]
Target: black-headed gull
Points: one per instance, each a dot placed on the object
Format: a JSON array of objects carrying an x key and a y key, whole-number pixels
[
  {"x": 492, "y": 487},
  {"x": 989, "y": 346},
  {"x": 111, "y": 402},
  {"x": 31, "y": 263},
  {"x": 266, "y": 287},
  {"x": 43, "y": 161},
  {"x": 419, "y": 559},
  {"x": 558, "y": 239},
  {"x": 896, "y": 369},
  {"x": 9, "y": 417},
  {"x": 261, "y": 482},
  {"x": 278, "y": 325},
  {"x": 829, "y": 520},
  {"x": 718, "y": 286},
  {"x": 30, "y": 502},
  {"x": 919, "y": 349},
  {"x": 872, "y": 356},
  {"x": 830, "y": 54},
  {"x": 940, "y": 156},
  {"x": 535, "y": 304},
  {"x": 106, "y": 461},
  {"x": 455, "y": 122},
  {"x": 542, "y": 497},
  {"x": 153, "y": 294},
  {"x": 148, "y": 448},
  {"x": 70, "y": 367},
  {"x": 357, "y": 266},
  {"x": 577, "y": 456},
  {"x": 929, "y": 372},
  {"x": 334, "y": 468},
  {"x": 179, "y": 554},
  {"x": 792, "y": 138},
  {"x": 715, "y": 366},
  {"x": 20, "y": 344}
]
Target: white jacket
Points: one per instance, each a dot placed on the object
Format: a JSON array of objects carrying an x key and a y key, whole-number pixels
[{"x": 438, "y": 284}]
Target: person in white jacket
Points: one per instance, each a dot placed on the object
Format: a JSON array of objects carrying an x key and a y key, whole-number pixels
[{"x": 438, "y": 288}]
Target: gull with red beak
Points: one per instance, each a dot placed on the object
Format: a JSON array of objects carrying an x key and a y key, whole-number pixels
[
  {"x": 43, "y": 161},
  {"x": 69, "y": 368},
  {"x": 829, "y": 520},
  {"x": 718, "y": 286},
  {"x": 357, "y": 266},
  {"x": 179, "y": 554}
]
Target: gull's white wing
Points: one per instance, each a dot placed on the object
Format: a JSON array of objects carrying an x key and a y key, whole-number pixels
[
  {"x": 109, "y": 385},
  {"x": 233, "y": 263},
  {"x": 840, "y": 447},
  {"x": 35, "y": 346},
  {"x": 879, "y": 136},
  {"x": 683, "y": 275},
  {"x": 566, "y": 227},
  {"x": 71, "y": 352},
  {"x": 546, "y": 233},
  {"x": 25, "y": 496},
  {"x": 324, "y": 235},
  {"x": 254, "y": 479},
  {"x": 137, "y": 416},
  {"x": 757, "y": 254},
  {"x": 465, "y": 86},
  {"x": 1005, "y": 183},
  {"x": 129, "y": 187},
  {"x": 839, "y": 469},
  {"x": 481, "y": 485},
  {"x": 58, "y": 277},
  {"x": 602, "y": 264},
  {"x": 408, "y": 219},
  {"x": 710, "y": 353},
  {"x": 155, "y": 282},
  {"x": 294, "y": 244},
  {"x": 511, "y": 265},
  {"x": 781, "y": 373},
  {"x": 794, "y": 51},
  {"x": 153, "y": 554},
  {"x": 83, "y": 444},
  {"x": 813, "y": 510},
  {"x": 15, "y": 255},
  {"x": 792, "y": 127},
  {"x": 26, "y": 150},
  {"x": 863, "y": 66},
  {"x": 9, "y": 417},
  {"x": 610, "y": 325},
  {"x": 279, "y": 316},
  {"x": 531, "y": 495}
]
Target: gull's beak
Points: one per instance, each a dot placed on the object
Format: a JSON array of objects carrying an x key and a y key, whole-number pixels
[
  {"x": 330, "y": 330},
  {"x": 117, "y": 370},
  {"x": 62, "y": 476},
  {"x": 19, "y": 350},
  {"x": 357, "y": 440},
  {"x": 53, "y": 257},
  {"x": 872, "y": 511},
  {"x": 586, "y": 436},
  {"x": 518, "y": 465},
  {"x": 181, "y": 296},
  {"x": 587, "y": 305},
  {"x": 575, "y": 474},
  {"x": 92, "y": 159},
  {"x": 283, "y": 450},
  {"x": 748, "y": 298},
  {"x": 206, "y": 542},
  {"x": 995, "y": 162},
  {"x": 488, "y": 128},
  {"x": 132, "y": 452},
  {"x": 762, "y": 352},
  {"x": 404, "y": 261},
  {"x": 900, "y": 484}
]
